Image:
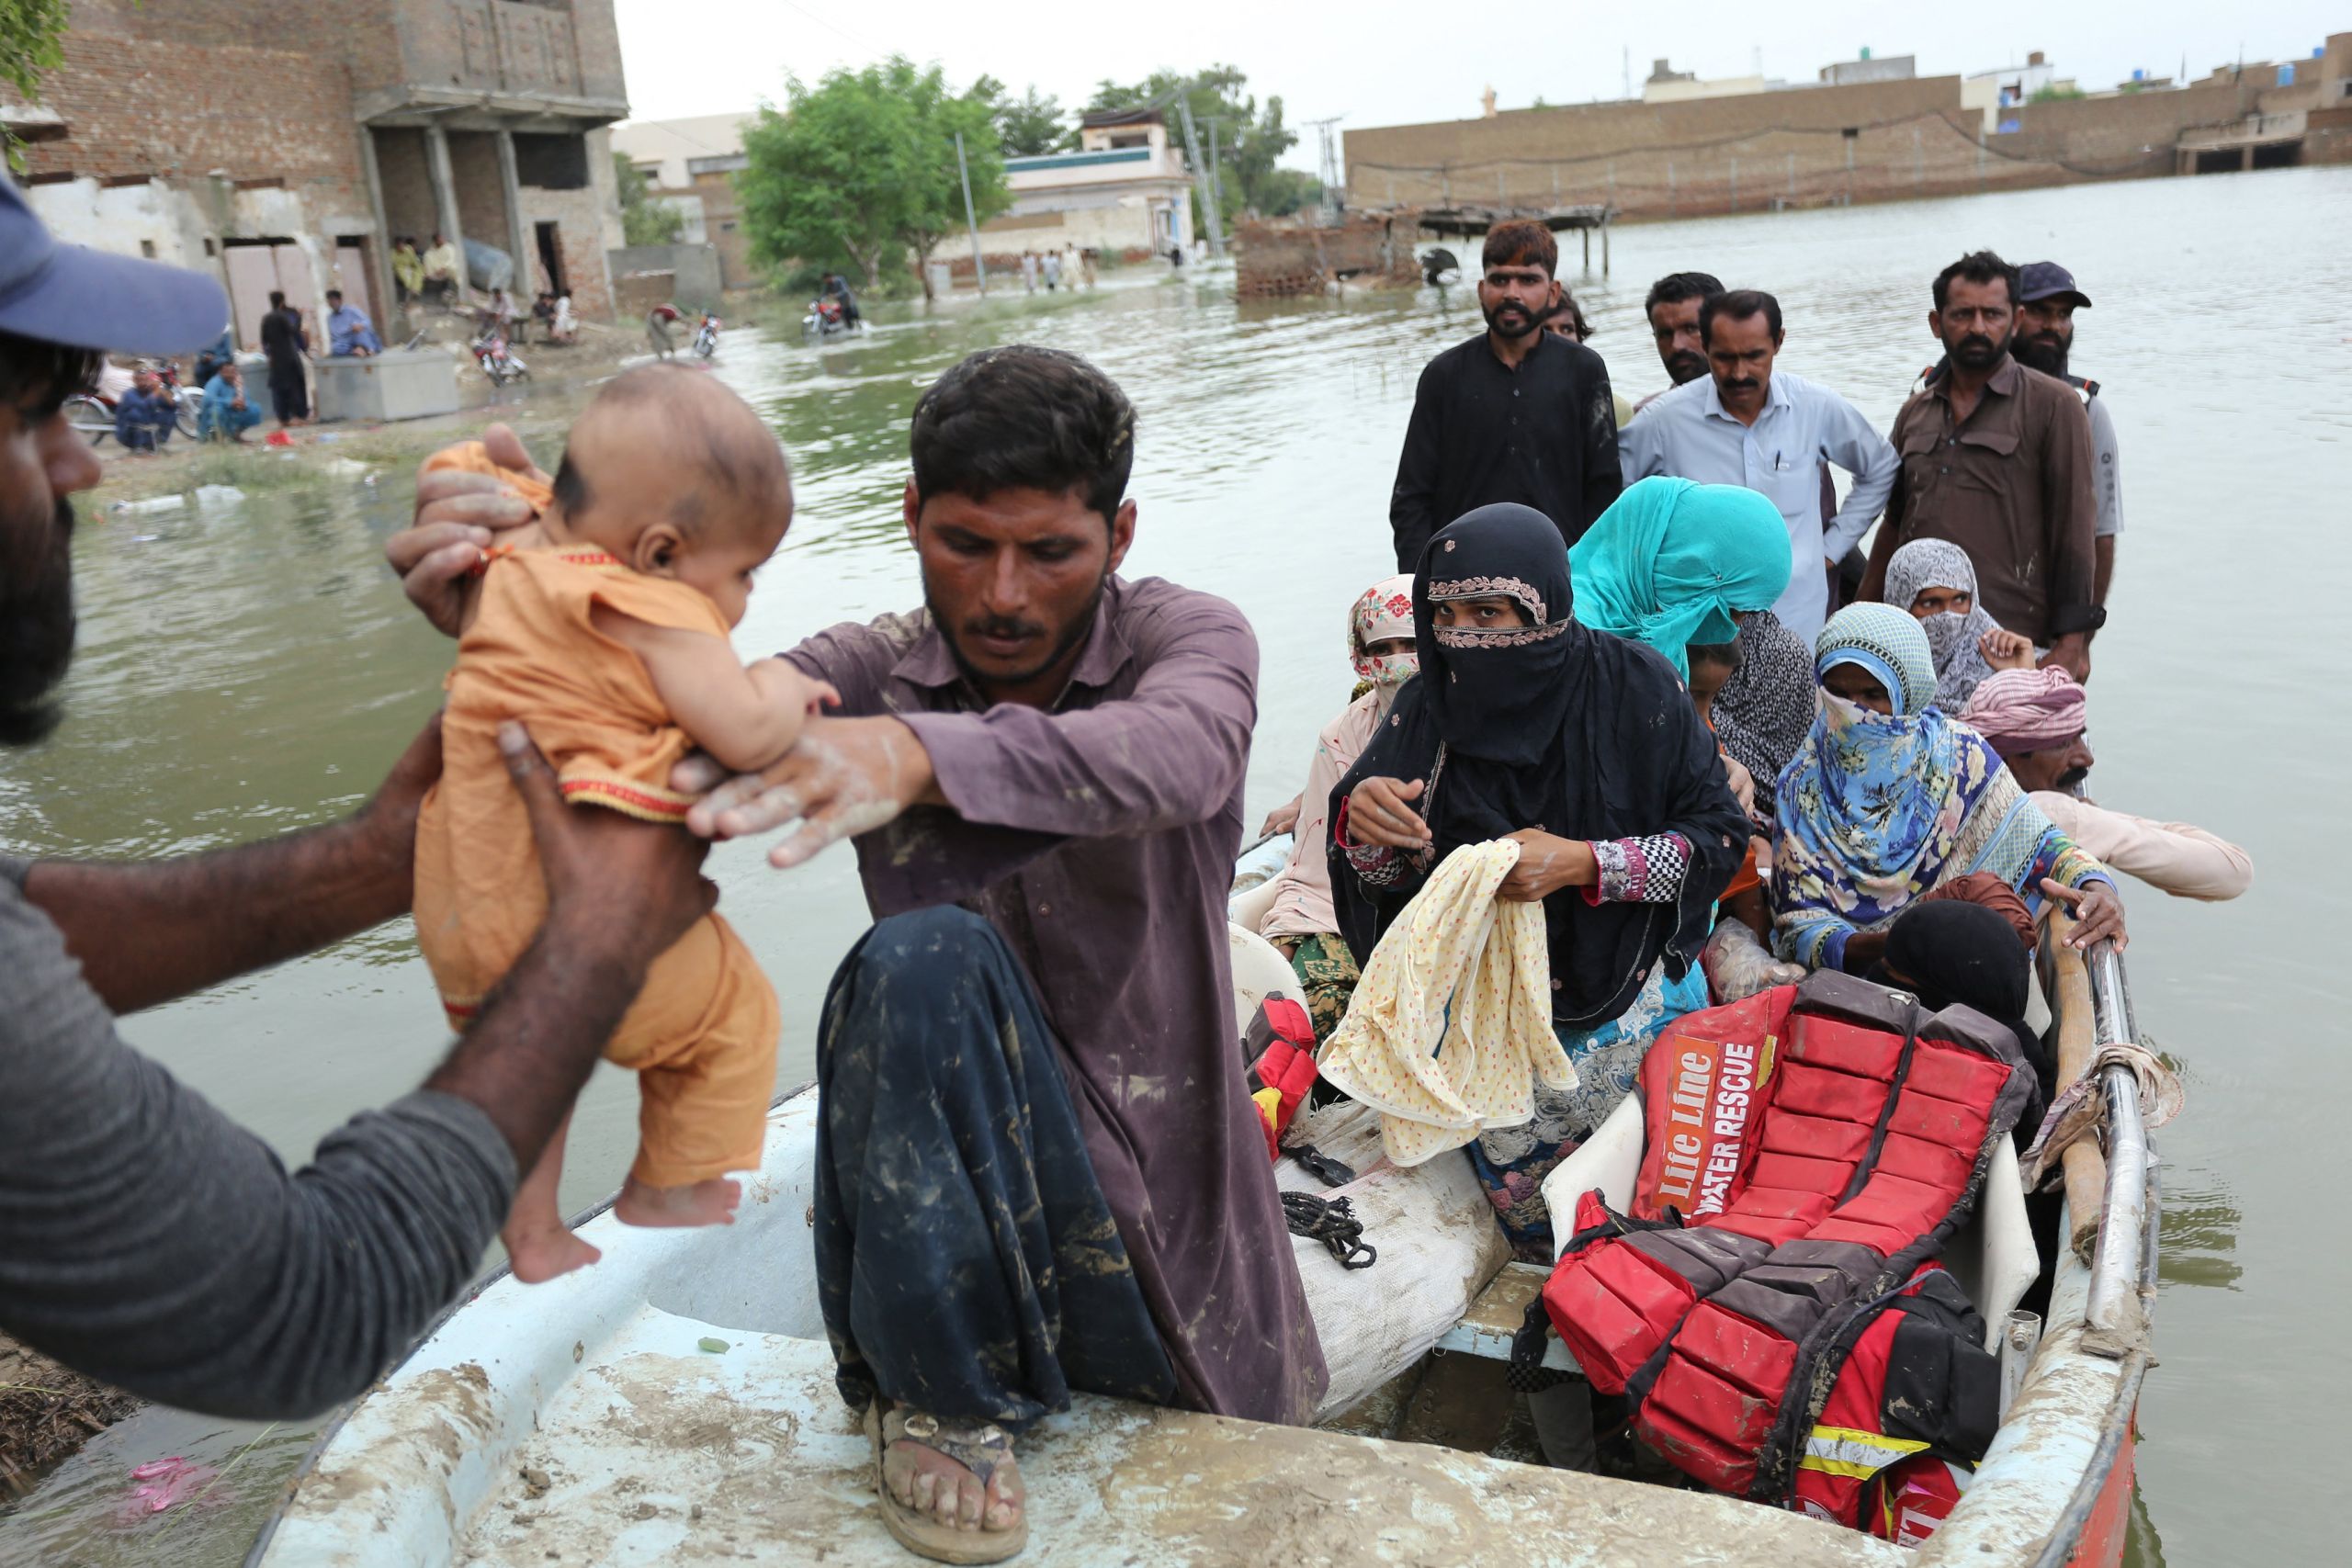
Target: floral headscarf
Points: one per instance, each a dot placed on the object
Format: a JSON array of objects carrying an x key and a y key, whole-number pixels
[
  {"x": 1384, "y": 612},
  {"x": 1877, "y": 809}
]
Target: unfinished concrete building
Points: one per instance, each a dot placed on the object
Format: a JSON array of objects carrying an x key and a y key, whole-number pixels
[{"x": 287, "y": 144}]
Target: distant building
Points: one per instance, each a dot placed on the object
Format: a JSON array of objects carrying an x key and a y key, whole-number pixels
[
  {"x": 1668, "y": 85},
  {"x": 2301, "y": 113},
  {"x": 1124, "y": 194},
  {"x": 1885, "y": 68},
  {"x": 1994, "y": 93},
  {"x": 286, "y": 147},
  {"x": 690, "y": 166}
]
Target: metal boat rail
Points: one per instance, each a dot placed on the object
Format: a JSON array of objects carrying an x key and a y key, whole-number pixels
[{"x": 2122, "y": 1268}]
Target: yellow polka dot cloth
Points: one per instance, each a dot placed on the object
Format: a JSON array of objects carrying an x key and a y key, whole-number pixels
[{"x": 1439, "y": 1077}]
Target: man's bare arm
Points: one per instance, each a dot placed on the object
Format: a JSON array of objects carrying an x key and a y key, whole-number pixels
[{"x": 146, "y": 933}]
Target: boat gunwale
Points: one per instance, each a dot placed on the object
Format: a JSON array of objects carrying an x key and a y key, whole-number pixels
[{"x": 302, "y": 1471}]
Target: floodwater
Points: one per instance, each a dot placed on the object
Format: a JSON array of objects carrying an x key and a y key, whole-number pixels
[{"x": 249, "y": 670}]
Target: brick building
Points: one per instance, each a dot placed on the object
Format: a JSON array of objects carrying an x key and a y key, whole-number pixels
[
  {"x": 1840, "y": 141},
  {"x": 285, "y": 143}
]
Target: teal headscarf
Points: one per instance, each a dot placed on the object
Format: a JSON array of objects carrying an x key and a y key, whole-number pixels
[{"x": 1671, "y": 559}]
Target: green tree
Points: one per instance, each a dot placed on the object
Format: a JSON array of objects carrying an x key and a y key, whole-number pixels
[
  {"x": 1249, "y": 139},
  {"x": 1029, "y": 126},
  {"x": 32, "y": 44},
  {"x": 644, "y": 221},
  {"x": 863, "y": 166},
  {"x": 1288, "y": 190}
]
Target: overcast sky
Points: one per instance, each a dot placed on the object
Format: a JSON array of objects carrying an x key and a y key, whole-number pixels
[{"x": 1391, "y": 62}]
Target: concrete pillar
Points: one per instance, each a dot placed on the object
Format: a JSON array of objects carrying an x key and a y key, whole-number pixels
[
  {"x": 518, "y": 228},
  {"x": 444, "y": 198},
  {"x": 379, "y": 260},
  {"x": 2245, "y": 157}
]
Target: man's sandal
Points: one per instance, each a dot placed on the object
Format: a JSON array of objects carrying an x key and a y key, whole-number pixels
[{"x": 980, "y": 1448}]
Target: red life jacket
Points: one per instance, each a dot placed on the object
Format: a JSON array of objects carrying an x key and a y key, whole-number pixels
[
  {"x": 1807, "y": 1151},
  {"x": 1280, "y": 1048}
]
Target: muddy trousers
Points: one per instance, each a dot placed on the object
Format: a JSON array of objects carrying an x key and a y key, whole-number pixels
[{"x": 967, "y": 1264}]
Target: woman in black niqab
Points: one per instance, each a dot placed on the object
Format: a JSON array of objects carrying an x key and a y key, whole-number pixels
[
  {"x": 1550, "y": 726},
  {"x": 1546, "y": 724}
]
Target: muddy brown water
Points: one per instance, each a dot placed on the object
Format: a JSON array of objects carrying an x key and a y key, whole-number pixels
[{"x": 250, "y": 668}]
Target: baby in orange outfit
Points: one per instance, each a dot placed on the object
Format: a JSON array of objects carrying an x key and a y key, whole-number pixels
[{"x": 604, "y": 628}]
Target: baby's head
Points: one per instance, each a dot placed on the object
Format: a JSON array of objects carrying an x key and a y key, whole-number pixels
[{"x": 677, "y": 477}]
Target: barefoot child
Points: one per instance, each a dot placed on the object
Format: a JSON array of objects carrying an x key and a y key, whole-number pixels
[{"x": 604, "y": 628}]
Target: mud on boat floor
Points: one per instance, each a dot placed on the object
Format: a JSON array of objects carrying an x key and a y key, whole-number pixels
[
  {"x": 751, "y": 1456},
  {"x": 47, "y": 1413}
]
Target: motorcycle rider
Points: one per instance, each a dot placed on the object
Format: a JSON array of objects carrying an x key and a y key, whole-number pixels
[
  {"x": 658, "y": 321},
  {"x": 837, "y": 288}
]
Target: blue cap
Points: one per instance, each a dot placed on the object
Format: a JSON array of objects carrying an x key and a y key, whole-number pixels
[
  {"x": 80, "y": 298},
  {"x": 2048, "y": 280}
]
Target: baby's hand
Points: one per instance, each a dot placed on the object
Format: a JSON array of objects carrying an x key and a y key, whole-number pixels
[{"x": 780, "y": 682}]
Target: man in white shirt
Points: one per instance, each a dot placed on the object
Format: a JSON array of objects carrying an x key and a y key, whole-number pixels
[
  {"x": 2036, "y": 719},
  {"x": 1745, "y": 424}
]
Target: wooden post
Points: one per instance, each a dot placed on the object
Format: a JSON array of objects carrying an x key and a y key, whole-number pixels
[
  {"x": 1604, "y": 245},
  {"x": 1588, "y": 250}
]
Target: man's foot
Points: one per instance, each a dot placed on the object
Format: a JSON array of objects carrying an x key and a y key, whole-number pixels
[
  {"x": 540, "y": 1253},
  {"x": 708, "y": 1203},
  {"x": 950, "y": 1489}
]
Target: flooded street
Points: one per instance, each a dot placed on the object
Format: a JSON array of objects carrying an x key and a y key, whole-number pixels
[{"x": 250, "y": 668}]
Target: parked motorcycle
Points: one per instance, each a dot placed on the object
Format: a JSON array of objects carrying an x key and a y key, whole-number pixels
[
  {"x": 825, "y": 319},
  {"x": 91, "y": 413},
  {"x": 498, "y": 362},
  {"x": 706, "y": 336}
]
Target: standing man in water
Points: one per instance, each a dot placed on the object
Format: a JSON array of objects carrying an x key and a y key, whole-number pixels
[
  {"x": 1038, "y": 1169},
  {"x": 2047, "y": 300},
  {"x": 1672, "y": 310},
  {"x": 146, "y": 1239},
  {"x": 1773, "y": 432},
  {"x": 1996, "y": 458},
  {"x": 1516, "y": 414}
]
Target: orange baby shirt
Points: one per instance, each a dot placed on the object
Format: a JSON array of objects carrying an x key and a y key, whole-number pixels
[{"x": 702, "y": 1032}]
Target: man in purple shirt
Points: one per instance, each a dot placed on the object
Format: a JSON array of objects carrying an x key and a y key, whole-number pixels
[{"x": 1038, "y": 1167}]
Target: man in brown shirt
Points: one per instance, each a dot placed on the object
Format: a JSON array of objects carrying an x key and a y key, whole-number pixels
[{"x": 1996, "y": 458}]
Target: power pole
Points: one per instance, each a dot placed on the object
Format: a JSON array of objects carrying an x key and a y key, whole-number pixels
[
  {"x": 1193, "y": 152},
  {"x": 964, "y": 173},
  {"x": 1328, "y": 164},
  {"x": 1216, "y": 180}
]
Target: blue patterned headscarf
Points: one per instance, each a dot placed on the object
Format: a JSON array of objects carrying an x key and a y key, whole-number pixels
[{"x": 1873, "y": 808}]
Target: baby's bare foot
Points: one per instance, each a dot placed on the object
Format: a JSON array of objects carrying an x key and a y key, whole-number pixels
[
  {"x": 708, "y": 1203},
  {"x": 540, "y": 1253}
]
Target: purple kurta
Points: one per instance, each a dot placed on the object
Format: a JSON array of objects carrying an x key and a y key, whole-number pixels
[{"x": 1098, "y": 837}]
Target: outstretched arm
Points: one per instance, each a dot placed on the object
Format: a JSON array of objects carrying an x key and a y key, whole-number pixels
[
  {"x": 148, "y": 932},
  {"x": 1021, "y": 779},
  {"x": 746, "y": 717},
  {"x": 148, "y": 1240}
]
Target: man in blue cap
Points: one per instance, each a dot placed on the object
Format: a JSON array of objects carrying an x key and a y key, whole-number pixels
[
  {"x": 2047, "y": 300},
  {"x": 145, "y": 1239}
]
